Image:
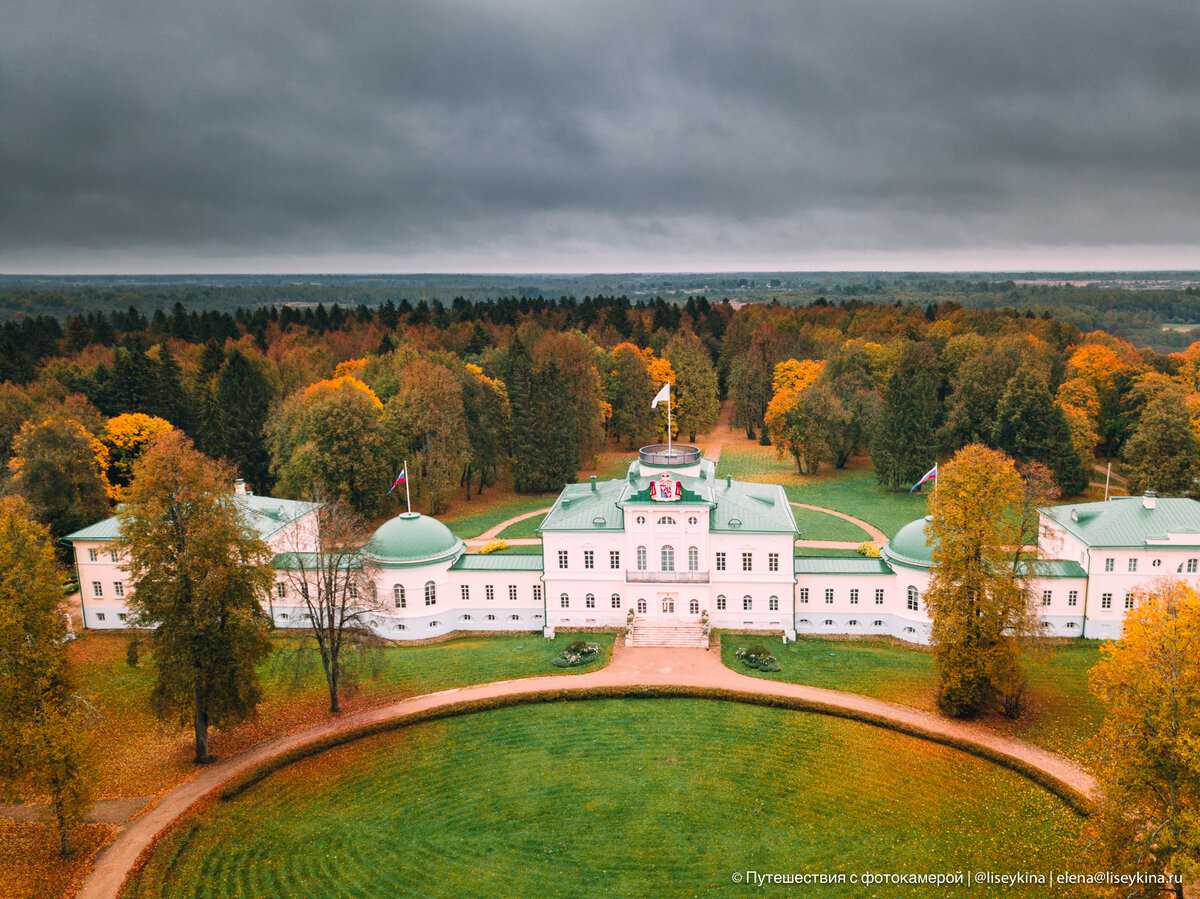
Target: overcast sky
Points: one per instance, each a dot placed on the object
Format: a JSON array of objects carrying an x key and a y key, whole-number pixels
[{"x": 268, "y": 135}]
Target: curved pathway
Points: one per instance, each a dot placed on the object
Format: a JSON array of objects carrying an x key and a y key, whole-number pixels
[
  {"x": 876, "y": 535},
  {"x": 495, "y": 530},
  {"x": 630, "y": 667}
]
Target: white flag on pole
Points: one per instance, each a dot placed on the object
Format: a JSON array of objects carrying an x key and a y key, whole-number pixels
[{"x": 663, "y": 396}]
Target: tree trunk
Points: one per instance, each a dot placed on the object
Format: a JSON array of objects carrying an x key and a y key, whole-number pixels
[
  {"x": 60, "y": 816},
  {"x": 334, "y": 703},
  {"x": 200, "y": 720}
]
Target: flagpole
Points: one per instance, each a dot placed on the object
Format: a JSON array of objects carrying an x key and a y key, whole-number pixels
[
  {"x": 407, "y": 496},
  {"x": 668, "y": 421}
]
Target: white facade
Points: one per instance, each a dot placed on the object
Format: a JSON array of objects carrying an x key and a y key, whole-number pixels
[{"x": 714, "y": 550}]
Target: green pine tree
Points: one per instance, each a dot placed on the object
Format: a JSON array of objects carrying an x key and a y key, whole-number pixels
[
  {"x": 904, "y": 443},
  {"x": 1031, "y": 427},
  {"x": 243, "y": 400}
]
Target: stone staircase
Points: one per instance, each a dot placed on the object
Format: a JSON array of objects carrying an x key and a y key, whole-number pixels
[{"x": 690, "y": 636}]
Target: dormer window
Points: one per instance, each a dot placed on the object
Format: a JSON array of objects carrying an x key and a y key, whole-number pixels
[
  {"x": 666, "y": 519},
  {"x": 641, "y": 519}
]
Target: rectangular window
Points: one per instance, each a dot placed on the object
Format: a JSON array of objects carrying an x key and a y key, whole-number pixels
[
  {"x": 1072, "y": 598},
  {"x": 1129, "y": 600},
  {"x": 99, "y": 616},
  {"x": 93, "y": 555},
  {"x": 118, "y": 588},
  {"x": 614, "y": 558},
  {"x": 1191, "y": 566},
  {"x": 854, "y": 596},
  {"x": 589, "y": 558},
  {"x": 747, "y": 604},
  {"x": 772, "y": 561},
  {"x": 97, "y": 588},
  {"x": 720, "y": 561},
  {"x": 465, "y": 592},
  {"x": 773, "y": 604},
  {"x": 281, "y": 590},
  {"x": 804, "y": 595},
  {"x": 112, "y": 555},
  {"x": 879, "y": 596},
  {"x": 828, "y": 595},
  {"x": 747, "y": 561},
  {"x": 1110, "y": 564},
  {"x": 562, "y": 558},
  {"x": 353, "y": 587},
  {"x": 122, "y": 616},
  {"x": 1132, "y": 565},
  {"x": 512, "y": 592},
  {"x": 489, "y": 593},
  {"x": 537, "y": 592},
  {"x": 1106, "y": 600},
  {"x": 1046, "y": 596}
]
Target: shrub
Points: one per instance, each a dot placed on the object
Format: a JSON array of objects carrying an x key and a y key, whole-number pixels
[
  {"x": 868, "y": 549},
  {"x": 493, "y": 546},
  {"x": 758, "y": 657},
  {"x": 132, "y": 652},
  {"x": 579, "y": 652}
]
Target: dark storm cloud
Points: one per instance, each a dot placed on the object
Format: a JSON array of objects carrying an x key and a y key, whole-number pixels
[{"x": 558, "y": 135}]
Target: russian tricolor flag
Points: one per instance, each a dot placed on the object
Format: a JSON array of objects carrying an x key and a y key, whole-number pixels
[
  {"x": 930, "y": 475},
  {"x": 401, "y": 478}
]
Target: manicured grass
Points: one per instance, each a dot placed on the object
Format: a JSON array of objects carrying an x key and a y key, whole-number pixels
[
  {"x": 819, "y": 526},
  {"x": 1060, "y": 713},
  {"x": 526, "y": 528},
  {"x": 626, "y": 797},
  {"x": 856, "y": 493},
  {"x": 477, "y": 516},
  {"x": 141, "y": 755},
  {"x": 749, "y": 462}
]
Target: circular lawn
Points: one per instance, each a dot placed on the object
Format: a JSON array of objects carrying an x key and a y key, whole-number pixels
[{"x": 624, "y": 797}]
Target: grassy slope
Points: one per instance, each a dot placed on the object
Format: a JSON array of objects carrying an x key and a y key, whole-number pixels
[
  {"x": 819, "y": 526},
  {"x": 643, "y": 797},
  {"x": 472, "y": 519},
  {"x": 1061, "y": 714},
  {"x": 527, "y": 528}
]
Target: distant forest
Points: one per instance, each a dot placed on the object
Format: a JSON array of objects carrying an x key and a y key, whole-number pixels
[{"x": 1135, "y": 306}]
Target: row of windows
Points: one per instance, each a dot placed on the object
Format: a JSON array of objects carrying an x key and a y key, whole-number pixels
[
  {"x": 121, "y": 616},
  {"x": 400, "y": 626},
  {"x": 666, "y": 559},
  {"x": 1048, "y": 598},
  {"x": 667, "y": 519},
  {"x": 1106, "y": 600},
  {"x": 94, "y": 555},
  {"x": 98, "y": 589},
  {"x": 854, "y": 596},
  {"x": 1131, "y": 565}
]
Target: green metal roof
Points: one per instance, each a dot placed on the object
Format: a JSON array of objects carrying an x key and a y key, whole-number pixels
[
  {"x": 412, "y": 539},
  {"x": 1124, "y": 521},
  {"x": 911, "y": 545},
  {"x": 735, "y": 505},
  {"x": 497, "y": 562},
  {"x": 307, "y": 561},
  {"x": 1051, "y": 568},
  {"x": 840, "y": 565},
  {"x": 265, "y": 514}
]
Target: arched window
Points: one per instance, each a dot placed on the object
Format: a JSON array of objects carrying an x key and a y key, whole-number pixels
[
  {"x": 641, "y": 607},
  {"x": 616, "y": 600},
  {"x": 912, "y": 599},
  {"x": 398, "y": 595},
  {"x": 641, "y": 558},
  {"x": 666, "y": 519},
  {"x": 564, "y": 601},
  {"x": 694, "y": 607},
  {"x": 430, "y": 593},
  {"x": 721, "y": 603},
  {"x": 589, "y": 601},
  {"x": 667, "y": 555},
  {"x": 693, "y": 559},
  {"x": 747, "y": 603}
]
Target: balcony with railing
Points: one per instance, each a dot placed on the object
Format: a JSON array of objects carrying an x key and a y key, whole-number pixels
[
  {"x": 662, "y": 456},
  {"x": 666, "y": 577}
]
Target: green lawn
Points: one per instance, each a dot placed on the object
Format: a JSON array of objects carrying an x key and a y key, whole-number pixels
[
  {"x": 664, "y": 797},
  {"x": 470, "y": 523},
  {"x": 856, "y": 493},
  {"x": 527, "y": 528},
  {"x": 819, "y": 526},
  {"x": 141, "y": 754},
  {"x": 1060, "y": 715},
  {"x": 757, "y": 463}
]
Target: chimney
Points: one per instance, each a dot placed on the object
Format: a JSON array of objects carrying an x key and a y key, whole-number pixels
[
  {"x": 239, "y": 487},
  {"x": 1149, "y": 499},
  {"x": 592, "y": 481}
]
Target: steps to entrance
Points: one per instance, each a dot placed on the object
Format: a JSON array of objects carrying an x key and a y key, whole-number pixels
[{"x": 683, "y": 635}]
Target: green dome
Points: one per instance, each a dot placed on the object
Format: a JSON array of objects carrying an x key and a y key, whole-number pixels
[
  {"x": 911, "y": 546},
  {"x": 412, "y": 539}
]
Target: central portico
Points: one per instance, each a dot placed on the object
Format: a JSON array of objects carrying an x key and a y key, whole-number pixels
[{"x": 670, "y": 542}]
